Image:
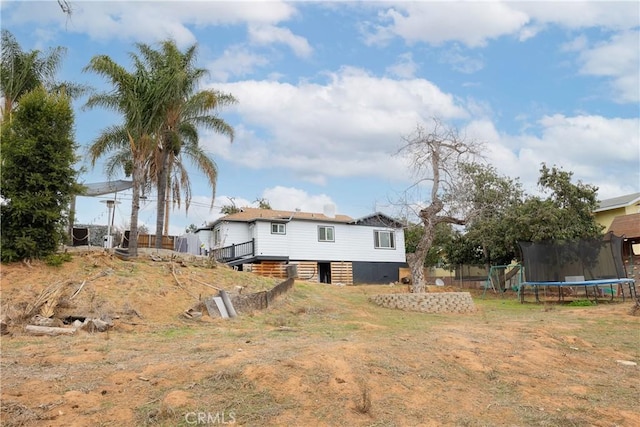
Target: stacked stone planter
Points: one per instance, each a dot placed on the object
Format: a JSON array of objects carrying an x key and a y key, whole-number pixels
[{"x": 430, "y": 302}]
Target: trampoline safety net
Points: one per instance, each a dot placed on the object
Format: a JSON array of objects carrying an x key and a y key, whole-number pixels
[{"x": 577, "y": 260}]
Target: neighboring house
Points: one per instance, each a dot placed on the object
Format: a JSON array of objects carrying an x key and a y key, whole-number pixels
[
  {"x": 617, "y": 208},
  {"x": 621, "y": 215},
  {"x": 324, "y": 247}
]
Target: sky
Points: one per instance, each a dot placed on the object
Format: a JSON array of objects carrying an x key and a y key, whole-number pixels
[{"x": 328, "y": 91}]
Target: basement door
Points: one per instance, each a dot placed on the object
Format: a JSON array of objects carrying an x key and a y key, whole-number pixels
[{"x": 324, "y": 272}]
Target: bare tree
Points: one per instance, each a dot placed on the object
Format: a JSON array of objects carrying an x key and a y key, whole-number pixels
[{"x": 436, "y": 158}]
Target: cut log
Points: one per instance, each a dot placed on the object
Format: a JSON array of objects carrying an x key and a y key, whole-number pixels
[{"x": 49, "y": 330}]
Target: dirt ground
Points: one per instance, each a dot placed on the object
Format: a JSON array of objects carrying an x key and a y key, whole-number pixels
[{"x": 322, "y": 355}]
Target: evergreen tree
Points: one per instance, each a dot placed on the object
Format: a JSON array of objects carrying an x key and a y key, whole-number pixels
[{"x": 37, "y": 179}]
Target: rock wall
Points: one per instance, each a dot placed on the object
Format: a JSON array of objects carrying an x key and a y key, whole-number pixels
[{"x": 430, "y": 302}]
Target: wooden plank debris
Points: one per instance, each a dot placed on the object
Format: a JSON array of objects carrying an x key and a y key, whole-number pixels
[
  {"x": 221, "y": 307},
  {"x": 210, "y": 304}
]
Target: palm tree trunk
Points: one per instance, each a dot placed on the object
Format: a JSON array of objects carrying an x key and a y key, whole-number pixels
[
  {"x": 135, "y": 208},
  {"x": 167, "y": 203},
  {"x": 162, "y": 194}
]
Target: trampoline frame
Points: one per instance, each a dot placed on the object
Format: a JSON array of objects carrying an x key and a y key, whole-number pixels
[{"x": 596, "y": 284}]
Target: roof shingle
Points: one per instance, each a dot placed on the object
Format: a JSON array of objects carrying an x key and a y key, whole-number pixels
[
  {"x": 256, "y": 214},
  {"x": 618, "y": 202},
  {"x": 626, "y": 225}
]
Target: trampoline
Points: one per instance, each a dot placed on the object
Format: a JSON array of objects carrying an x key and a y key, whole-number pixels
[{"x": 591, "y": 264}]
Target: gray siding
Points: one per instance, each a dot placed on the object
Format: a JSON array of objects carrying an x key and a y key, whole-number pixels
[{"x": 376, "y": 272}]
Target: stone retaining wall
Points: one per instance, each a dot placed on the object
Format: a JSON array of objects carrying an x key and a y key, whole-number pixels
[{"x": 430, "y": 302}]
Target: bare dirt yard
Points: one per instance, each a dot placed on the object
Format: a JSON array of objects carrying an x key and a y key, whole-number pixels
[{"x": 321, "y": 355}]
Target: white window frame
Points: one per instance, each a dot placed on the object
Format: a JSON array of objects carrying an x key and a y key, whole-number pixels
[
  {"x": 322, "y": 233},
  {"x": 217, "y": 236},
  {"x": 377, "y": 243},
  {"x": 280, "y": 228}
]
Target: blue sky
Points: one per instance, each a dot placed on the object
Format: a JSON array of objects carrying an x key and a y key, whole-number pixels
[{"x": 327, "y": 91}]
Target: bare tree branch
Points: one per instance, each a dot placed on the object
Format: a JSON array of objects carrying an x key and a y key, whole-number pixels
[{"x": 436, "y": 157}]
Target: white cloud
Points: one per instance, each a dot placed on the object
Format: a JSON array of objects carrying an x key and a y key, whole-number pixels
[
  {"x": 601, "y": 151},
  {"x": 475, "y": 23},
  {"x": 290, "y": 199},
  {"x": 575, "y": 45},
  {"x": 349, "y": 126},
  {"x": 460, "y": 62},
  {"x": 529, "y": 31},
  {"x": 592, "y": 138},
  {"x": 619, "y": 59},
  {"x": 146, "y": 21},
  {"x": 470, "y": 23},
  {"x": 270, "y": 34},
  {"x": 405, "y": 67},
  {"x": 235, "y": 61},
  {"x": 611, "y": 15}
]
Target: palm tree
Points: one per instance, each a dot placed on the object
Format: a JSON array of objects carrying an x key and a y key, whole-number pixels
[
  {"x": 133, "y": 142},
  {"x": 178, "y": 177},
  {"x": 185, "y": 109},
  {"x": 21, "y": 72}
]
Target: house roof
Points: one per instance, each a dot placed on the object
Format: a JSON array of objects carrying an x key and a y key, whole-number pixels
[
  {"x": 626, "y": 225},
  {"x": 256, "y": 214},
  {"x": 378, "y": 219},
  {"x": 618, "y": 202}
]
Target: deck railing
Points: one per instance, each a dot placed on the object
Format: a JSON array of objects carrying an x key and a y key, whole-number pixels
[{"x": 234, "y": 252}]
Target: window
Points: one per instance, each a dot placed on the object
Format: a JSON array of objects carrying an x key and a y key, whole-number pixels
[
  {"x": 217, "y": 237},
  {"x": 384, "y": 239},
  {"x": 325, "y": 234},
  {"x": 278, "y": 228}
]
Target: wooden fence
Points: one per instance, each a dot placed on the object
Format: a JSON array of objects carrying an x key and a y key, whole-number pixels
[{"x": 275, "y": 269}]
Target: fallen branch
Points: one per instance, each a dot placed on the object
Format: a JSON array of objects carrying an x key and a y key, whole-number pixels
[
  {"x": 173, "y": 272},
  {"x": 78, "y": 291},
  {"x": 206, "y": 284},
  {"x": 97, "y": 276}
]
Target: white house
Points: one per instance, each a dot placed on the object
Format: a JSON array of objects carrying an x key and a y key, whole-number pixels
[{"x": 325, "y": 247}]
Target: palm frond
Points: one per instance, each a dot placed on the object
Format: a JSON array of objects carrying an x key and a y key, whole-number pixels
[{"x": 111, "y": 139}]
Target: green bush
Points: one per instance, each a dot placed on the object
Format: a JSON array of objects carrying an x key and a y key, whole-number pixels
[
  {"x": 581, "y": 303},
  {"x": 56, "y": 260}
]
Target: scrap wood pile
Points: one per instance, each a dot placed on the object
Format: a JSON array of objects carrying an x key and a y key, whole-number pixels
[{"x": 47, "y": 313}]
